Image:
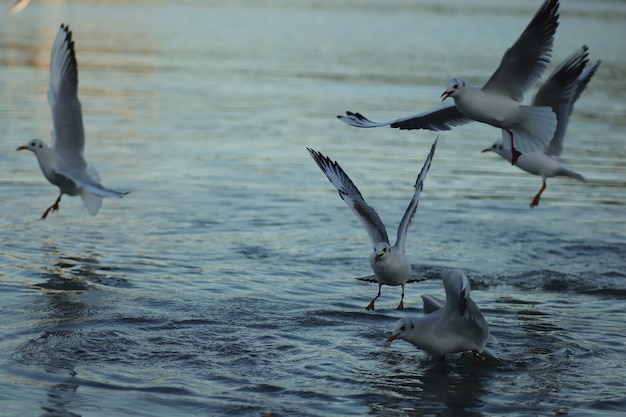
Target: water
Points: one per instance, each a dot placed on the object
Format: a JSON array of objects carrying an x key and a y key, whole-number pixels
[{"x": 224, "y": 283}]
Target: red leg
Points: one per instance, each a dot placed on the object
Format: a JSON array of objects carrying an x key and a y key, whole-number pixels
[
  {"x": 515, "y": 153},
  {"x": 401, "y": 305},
  {"x": 370, "y": 306},
  {"x": 53, "y": 207},
  {"x": 475, "y": 355},
  {"x": 535, "y": 201}
]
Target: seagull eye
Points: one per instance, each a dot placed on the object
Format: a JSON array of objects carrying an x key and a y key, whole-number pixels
[
  {"x": 412, "y": 326},
  {"x": 40, "y": 146},
  {"x": 455, "y": 86},
  {"x": 403, "y": 328}
]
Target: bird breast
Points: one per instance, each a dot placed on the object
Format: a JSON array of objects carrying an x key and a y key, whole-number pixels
[
  {"x": 391, "y": 269},
  {"x": 494, "y": 109}
]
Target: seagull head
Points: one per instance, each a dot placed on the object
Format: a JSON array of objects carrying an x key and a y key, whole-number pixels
[
  {"x": 33, "y": 145},
  {"x": 381, "y": 251},
  {"x": 497, "y": 147},
  {"x": 453, "y": 87},
  {"x": 400, "y": 329}
]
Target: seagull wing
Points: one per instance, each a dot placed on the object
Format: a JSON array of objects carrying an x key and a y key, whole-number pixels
[
  {"x": 523, "y": 63},
  {"x": 444, "y": 118},
  {"x": 459, "y": 304},
  {"x": 583, "y": 80},
  {"x": 352, "y": 196},
  {"x": 68, "y": 136},
  {"x": 410, "y": 210},
  {"x": 558, "y": 92},
  {"x": 431, "y": 303},
  {"x": 18, "y": 6}
]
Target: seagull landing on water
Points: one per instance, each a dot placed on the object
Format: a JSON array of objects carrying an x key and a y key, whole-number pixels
[
  {"x": 497, "y": 103},
  {"x": 456, "y": 326},
  {"x": 560, "y": 92},
  {"x": 389, "y": 263},
  {"x": 63, "y": 164}
]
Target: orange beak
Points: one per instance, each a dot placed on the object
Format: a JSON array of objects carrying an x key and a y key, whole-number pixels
[
  {"x": 391, "y": 338},
  {"x": 22, "y": 148}
]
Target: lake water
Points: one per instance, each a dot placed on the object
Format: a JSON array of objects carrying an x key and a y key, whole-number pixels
[{"x": 224, "y": 283}]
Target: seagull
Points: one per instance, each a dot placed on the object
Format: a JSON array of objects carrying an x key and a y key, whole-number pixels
[
  {"x": 456, "y": 326},
  {"x": 497, "y": 103},
  {"x": 63, "y": 163},
  {"x": 389, "y": 263},
  {"x": 560, "y": 92},
  {"x": 18, "y": 6}
]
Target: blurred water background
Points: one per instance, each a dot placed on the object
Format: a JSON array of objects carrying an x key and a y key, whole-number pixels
[{"x": 224, "y": 283}]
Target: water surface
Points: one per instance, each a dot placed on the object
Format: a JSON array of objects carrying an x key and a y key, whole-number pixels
[{"x": 224, "y": 284}]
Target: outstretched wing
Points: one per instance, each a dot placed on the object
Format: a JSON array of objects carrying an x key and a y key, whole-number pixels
[
  {"x": 352, "y": 196},
  {"x": 444, "y": 118},
  {"x": 558, "y": 92},
  {"x": 583, "y": 80},
  {"x": 523, "y": 63},
  {"x": 68, "y": 137},
  {"x": 410, "y": 210},
  {"x": 458, "y": 298}
]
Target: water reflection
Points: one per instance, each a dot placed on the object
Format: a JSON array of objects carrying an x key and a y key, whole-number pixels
[
  {"x": 68, "y": 303},
  {"x": 75, "y": 272},
  {"x": 58, "y": 401},
  {"x": 425, "y": 386}
]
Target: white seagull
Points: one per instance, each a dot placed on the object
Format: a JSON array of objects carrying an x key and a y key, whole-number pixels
[
  {"x": 497, "y": 103},
  {"x": 389, "y": 263},
  {"x": 63, "y": 164},
  {"x": 560, "y": 92},
  {"x": 18, "y": 6},
  {"x": 456, "y": 326}
]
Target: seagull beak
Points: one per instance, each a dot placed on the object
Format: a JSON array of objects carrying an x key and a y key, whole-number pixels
[
  {"x": 22, "y": 148},
  {"x": 445, "y": 95},
  {"x": 486, "y": 150},
  {"x": 377, "y": 257},
  {"x": 392, "y": 338}
]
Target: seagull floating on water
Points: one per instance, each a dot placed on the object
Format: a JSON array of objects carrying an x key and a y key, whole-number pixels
[
  {"x": 560, "y": 92},
  {"x": 456, "y": 326},
  {"x": 497, "y": 103},
  {"x": 389, "y": 263},
  {"x": 63, "y": 164}
]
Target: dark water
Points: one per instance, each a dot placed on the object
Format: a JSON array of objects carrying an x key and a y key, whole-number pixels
[{"x": 224, "y": 284}]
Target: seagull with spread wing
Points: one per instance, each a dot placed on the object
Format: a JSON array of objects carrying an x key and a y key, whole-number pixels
[
  {"x": 389, "y": 263},
  {"x": 63, "y": 163},
  {"x": 560, "y": 92},
  {"x": 457, "y": 325},
  {"x": 498, "y": 102}
]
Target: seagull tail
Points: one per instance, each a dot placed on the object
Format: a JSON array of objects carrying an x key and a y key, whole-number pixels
[
  {"x": 94, "y": 186},
  {"x": 91, "y": 201},
  {"x": 572, "y": 174},
  {"x": 536, "y": 132}
]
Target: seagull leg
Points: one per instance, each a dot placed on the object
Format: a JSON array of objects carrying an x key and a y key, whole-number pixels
[
  {"x": 370, "y": 306},
  {"x": 475, "y": 355},
  {"x": 53, "y": 207},
  {"x": 515, "y": 153},
  {"x": 535, "y": 201},
  {"x": 401, "y": 305}
]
